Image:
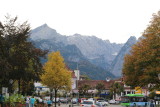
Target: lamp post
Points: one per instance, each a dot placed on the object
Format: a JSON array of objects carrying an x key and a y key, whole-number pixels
[{"x": 77, "y": 90}]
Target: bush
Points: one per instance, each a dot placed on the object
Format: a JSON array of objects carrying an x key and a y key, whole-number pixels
[{"x": 14, "y": 99}]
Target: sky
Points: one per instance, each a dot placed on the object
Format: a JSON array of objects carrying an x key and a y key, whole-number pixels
[{"x": 113, "y": 20}]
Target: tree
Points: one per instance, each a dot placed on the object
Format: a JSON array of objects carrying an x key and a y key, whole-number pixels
[
  {"x": 85, "y": 77},
  {"x": 4, "y": 65},
  {"x": 56, "y": 75},
  {"x": 100, "y": 87},
  {"x": 116, "y": 88},
  {"x": 143, "y": 62},
  {"x": 20, "y": 60},
  {"x": 84, "y": 89}
]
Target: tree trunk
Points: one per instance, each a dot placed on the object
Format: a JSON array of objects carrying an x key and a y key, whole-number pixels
[
  {"x": 55, "y": 98},
  {"x": 19, "y": 86},
  {"x": 51, "y": 94},
  {"x": 114, "y": 95}
]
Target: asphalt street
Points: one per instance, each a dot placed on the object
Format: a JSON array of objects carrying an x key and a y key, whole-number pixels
[{"x": 69, "y": 105}]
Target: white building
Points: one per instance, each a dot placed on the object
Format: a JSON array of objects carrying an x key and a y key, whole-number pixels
[{"x": 75, "y": 75}]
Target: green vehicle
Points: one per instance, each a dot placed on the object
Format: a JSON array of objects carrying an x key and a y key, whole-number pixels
[{"x": 134, "y": 100}]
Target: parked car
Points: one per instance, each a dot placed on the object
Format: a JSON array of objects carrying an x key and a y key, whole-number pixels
[
  {"x": 88, "y": 103},
  {"x": 55, "y": 100},
  {"x": 90, "y": 98},
  {"x": 103, "y": 102},
  {"x": 74, "y": 101},
  {"x": 63, "y": 100},
  {"x": 99, "y": 104},
  {"x": 113, "y": 101},
  {"x": 82, "y": 99}
]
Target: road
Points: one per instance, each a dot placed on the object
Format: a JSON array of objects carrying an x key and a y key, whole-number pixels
[
  {"x": 68, "y": 105},
  {"x": 114, "y": 106}
]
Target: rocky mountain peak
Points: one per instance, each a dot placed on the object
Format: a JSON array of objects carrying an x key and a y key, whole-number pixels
[
  {"x": 44, "y": 32},
  {"x": 131, "y": 40},
  {"x": 117, "y": 64},
  {"x": 95, "y": 54}
]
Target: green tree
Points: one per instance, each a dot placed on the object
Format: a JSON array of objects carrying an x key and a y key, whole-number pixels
[
  {"x": 85, "y": 77},
  {"x": 4, "y": 65},
  {"x": 143, "y": 62},
  {"x": 100, "y": 87},
  {"x": 116, "y": 88},
  {"x": 84, "y": 89},
  {"x": 56, "y": 75},
  {"x": 20, "y": 60}
]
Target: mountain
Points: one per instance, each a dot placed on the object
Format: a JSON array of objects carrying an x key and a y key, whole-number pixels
[
  {"x": 74, "y": 50},
  {"x": 117, "y": 64},
  {"x": 44, "y": 32},
  {"x": 99, "y": 52}
]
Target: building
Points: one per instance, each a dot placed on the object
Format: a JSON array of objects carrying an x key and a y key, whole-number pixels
[
  {"x": 108, "y": 83},
  {"x": 93, "y": 83},
  {"x": 41, "y": 88}
]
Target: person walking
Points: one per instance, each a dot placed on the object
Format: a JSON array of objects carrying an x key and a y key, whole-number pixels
[
  {"x": 152, "y": 104},
  {"x": 1, "y": 100},
  {"x": 27, "y": 101},
  {"x": 32, "y": 101},
  {"x": 49, "y": 103}
]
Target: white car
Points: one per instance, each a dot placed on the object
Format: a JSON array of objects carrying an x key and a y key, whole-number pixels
[
  {"x": 88, "y": 103},
  {"x": 103, "y": 102},
  {"x": 113, "y": 101},
  {"x": 56, "y": 100},
  {"x": 74, "y": 100}
]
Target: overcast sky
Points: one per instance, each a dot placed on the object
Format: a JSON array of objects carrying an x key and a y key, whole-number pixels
[{"x": 114, "y": 20}]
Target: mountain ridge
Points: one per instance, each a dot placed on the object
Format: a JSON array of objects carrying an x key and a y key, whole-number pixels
[{"x": 93, "y": 51}]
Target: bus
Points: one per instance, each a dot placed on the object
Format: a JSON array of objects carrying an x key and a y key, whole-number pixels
[{"x": 134, "y": 100}]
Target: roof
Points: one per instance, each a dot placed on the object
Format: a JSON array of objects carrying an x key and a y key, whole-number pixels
[
  {"x": 73, "y": 74},
  {"x": 93, "y": 83}
]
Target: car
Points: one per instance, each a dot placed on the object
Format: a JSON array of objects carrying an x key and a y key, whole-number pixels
[
  {"x": 103, "y": 102},
  {"x": 90, "y": 98},
  {"x": 82, "y": 99},
  {"x": 55, "y": 100},
  {"x": 99, "y": 104},
  {"x": 113, "y": 101},
  {"x": 63, "y": 100},
  {"x": 74, "y": 101},
  {"x": 88, "y": 103}
]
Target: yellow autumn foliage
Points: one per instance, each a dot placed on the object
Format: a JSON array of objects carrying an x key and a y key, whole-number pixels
[{"x": 56, "y": 75}]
